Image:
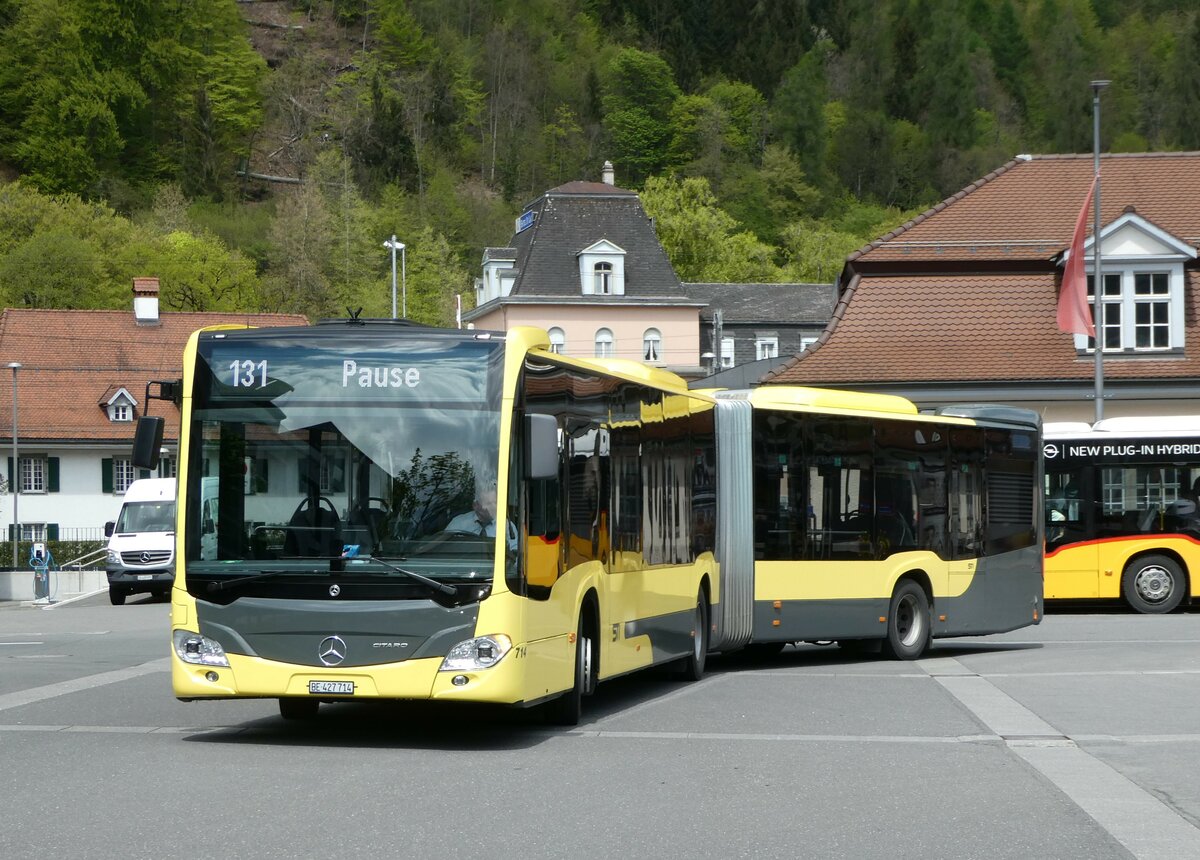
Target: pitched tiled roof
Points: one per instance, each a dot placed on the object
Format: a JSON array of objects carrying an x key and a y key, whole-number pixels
[
  {"x": 1027, "y": 208},
  {"x": 967, "y": 292},
  {"x": 577, "y": 215},
  {"x": 71, "y": 360},
  {"x": 776, "y": 303}
]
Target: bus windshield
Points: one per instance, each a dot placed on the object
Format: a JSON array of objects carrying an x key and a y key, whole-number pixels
[{"x": 348, "y": 447}]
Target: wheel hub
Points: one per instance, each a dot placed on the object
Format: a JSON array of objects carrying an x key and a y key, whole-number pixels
[{"x": 1154, "y": 584}]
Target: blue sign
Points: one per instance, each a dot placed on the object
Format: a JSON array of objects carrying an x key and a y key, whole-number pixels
[{"x": 526, "y": 220}]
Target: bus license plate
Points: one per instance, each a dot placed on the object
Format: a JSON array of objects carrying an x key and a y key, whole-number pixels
[{"x": 340, "y": 688}]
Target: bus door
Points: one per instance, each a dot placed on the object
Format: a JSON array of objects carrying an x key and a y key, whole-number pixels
[{"x": 1072, "y": 551}]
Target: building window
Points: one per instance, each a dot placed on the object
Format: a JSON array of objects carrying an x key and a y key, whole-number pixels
[
  {"x": 166, "y": 468},
  {"x": 122, "y": 412},
  {"x": 602, "y": 278},
  {"x": 33, "y": 474},
  {"x": 806, "y": 342},
  {"x": 1137, "y": 314},
  {"x": 604, "y": 343},
  {"x": 652, "y": 345},
  {"x": 558, "y": 340},
  {"x": 123, "y": 474},
  {"x": 766, "y": 346},
  {"x": 33, "y": 531},
  {"x": 727, "y": 352}
]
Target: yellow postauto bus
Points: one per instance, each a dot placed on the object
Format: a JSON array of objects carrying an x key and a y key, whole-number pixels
[
  {"x": 1121, "y": 511},
  {"x": 375, "y": 509}
]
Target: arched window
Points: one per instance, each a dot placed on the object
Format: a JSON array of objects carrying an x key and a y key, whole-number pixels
[
  {"x": 603, "y": 274},
  {"x": 604, "y": 343},
  {"x": 558, "y": 340},
  {"x": 652, "y": 345}
]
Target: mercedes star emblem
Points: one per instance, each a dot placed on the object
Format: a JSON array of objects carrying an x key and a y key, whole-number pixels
[
  {"x": 335, "y": 590},
  {"x": 145, "y": 558},
  {"x": 332, "y": 650}
]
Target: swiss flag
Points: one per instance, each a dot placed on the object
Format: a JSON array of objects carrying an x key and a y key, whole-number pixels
[{"x": 1074, "y": 315}]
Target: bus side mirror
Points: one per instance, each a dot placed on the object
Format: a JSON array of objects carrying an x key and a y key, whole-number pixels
[
  {"x": 147, "y": 442},
  {"x": 541, "y": 447}
]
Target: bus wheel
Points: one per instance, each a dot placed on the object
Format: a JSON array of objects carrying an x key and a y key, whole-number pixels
[
  {"x": 298, "y": 709},
  {"x": 908, "y": 626},
  {"x": 1152, "y": 584},
  {"x": 692, "y": 667},
  {"x": 568, "y": 708}
]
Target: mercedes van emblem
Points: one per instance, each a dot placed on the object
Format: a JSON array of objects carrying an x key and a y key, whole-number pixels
[
  {"x": 335, "y": 590},
  {"x": 332, "y": 650}
]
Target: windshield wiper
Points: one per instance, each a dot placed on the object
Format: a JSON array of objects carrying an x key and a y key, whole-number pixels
[
  {"x": 440, "y": 587},
  {"x": 215, "y": 586}
]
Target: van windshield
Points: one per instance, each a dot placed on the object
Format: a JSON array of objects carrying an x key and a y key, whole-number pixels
[{"x": 147, "y": 517}]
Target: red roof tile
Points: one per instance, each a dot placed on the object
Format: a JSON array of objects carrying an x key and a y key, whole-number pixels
[{"x": 72, "y": 360}]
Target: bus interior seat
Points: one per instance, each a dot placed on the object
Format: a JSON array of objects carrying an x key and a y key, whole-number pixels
[{"x": 313, "y": 530}]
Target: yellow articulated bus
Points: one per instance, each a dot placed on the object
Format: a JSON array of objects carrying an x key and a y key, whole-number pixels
[
  {"x": 379, "y": 510},
  {"x": 873, "y": 524},
  {"x": 1121, "y": 511}
]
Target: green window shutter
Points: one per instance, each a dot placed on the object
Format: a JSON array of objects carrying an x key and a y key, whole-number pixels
[
  {"x": 52, "y": 474},
  {"x": 260, "y": 475},
  {"x": 106, "y": 475},
  {"x": 12, "y": 479},
  {"x": 11, "y": 531},
  {"x": 51, "y": 531}
]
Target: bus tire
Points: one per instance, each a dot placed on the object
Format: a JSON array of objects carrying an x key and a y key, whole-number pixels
[
  {"x": 908, "y": 624},
  {"x": 568, "y": 708},
  {"x": 298, "y": 708},
  {"x": 692, "y": 666},
  {"x": 1153, "y": 584}
]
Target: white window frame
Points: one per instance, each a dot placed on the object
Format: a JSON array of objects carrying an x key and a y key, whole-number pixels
[
  {"x": 766, "y": 346},
  {"x": 652, "y": 346},
  {"x": 728, "y": 356},
  {"x": 603, "y": 343},
  {"x": 124, "y": 474},
  {"x": 558, "y": 340},
  {"x": 806, "y": 342},
  {"x": 33, "y": 473},
  {"x": 32, "y": 532},
  {"x": 122, "y": 412},
  {"x": 602, "y": 278},
  {"x": 1121, "y": 303}
]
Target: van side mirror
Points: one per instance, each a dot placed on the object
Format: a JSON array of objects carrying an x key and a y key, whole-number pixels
[
  {"x": 541, "y": 447},
  {"x": 147, "y": 442},
  {"x": 109, "y": 528}
]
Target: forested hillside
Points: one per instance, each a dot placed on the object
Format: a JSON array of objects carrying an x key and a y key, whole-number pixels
[{"x": 256, "y": 154}]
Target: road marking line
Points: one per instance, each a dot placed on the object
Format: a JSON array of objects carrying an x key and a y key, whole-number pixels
[
  {"x": 1141, "y": 822},
  {"x": 22, "y": 643},
  {"x": 78, "y": 685},
  {"x": 75, "y": 598}
]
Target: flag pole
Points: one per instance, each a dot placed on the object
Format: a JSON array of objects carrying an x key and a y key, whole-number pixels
[{"x": 1098, "y": 279}]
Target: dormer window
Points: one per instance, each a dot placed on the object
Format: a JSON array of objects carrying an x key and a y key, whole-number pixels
[
  {"x": 602, "y": 269},
  {"x": 1143, "y": 296},
  {"x": 119, "y": 406}
]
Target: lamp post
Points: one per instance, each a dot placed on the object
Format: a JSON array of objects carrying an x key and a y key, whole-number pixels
[
  {"x": 396, "y": 245},
  {"x": 14, "y": 478},
  {"x": 1097, "y": 277}
]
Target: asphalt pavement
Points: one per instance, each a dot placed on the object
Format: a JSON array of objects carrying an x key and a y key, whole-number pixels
[{"x": 1075, "y": 739}]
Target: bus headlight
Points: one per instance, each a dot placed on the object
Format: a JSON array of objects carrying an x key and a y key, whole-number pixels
[
  {"x": 480, "y": 653},
  {"x": 194, "y": 648}
]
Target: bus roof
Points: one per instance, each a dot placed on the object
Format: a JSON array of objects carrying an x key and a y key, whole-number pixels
[
  {"x": 800, "y": 398},
  {"x": 1146, "y": 425}
]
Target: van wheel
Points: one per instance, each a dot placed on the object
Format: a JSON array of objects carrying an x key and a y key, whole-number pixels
[
  {"x": 116, "y": 596},
  {"x": 908, "y": 625},
  {"x": 1153, "y": 584}
]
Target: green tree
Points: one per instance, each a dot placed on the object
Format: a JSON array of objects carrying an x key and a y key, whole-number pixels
[
  {"x": 797, "y": 111},
  {"x": 639, "y": 92},
  {"x": 1183, "y": 96}
]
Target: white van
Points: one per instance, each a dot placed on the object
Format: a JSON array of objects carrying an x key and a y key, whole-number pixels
[{"x": 141, "y": 543}]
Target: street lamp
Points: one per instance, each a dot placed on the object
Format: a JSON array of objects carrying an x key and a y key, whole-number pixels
[
  {"x": 396, "y": 245},
  {"x": 14, "y": 479}
]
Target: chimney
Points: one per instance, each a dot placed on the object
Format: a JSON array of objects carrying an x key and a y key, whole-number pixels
[
  {"x": 607, "y": 176},
  {"x": 145, "y": 301}
]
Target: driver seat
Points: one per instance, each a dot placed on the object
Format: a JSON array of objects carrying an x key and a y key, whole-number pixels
[{"x": 313, "y": 531}]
